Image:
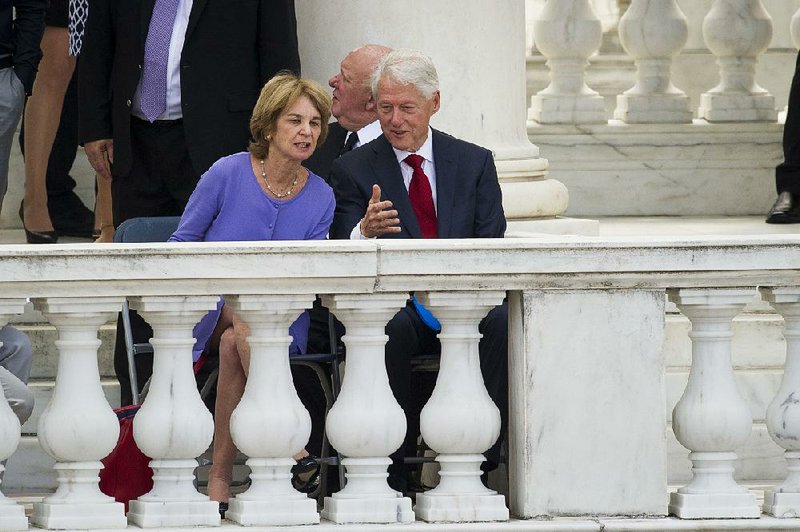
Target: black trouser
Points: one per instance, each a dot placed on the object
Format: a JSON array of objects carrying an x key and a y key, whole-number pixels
[
  {"x": 409, "y": 337},
  {"x": 787, "y": 174}
]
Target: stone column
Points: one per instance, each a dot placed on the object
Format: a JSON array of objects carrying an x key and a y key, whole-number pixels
[
  {"x": 12, "y": 515},
  {"x": 585, "y": 366},
  {"x": 567, "y": 33},
  {"x": 173, "y": 427},
  {"x": 737, "y": 32},
  {"x": 653, "y": 32},
  {"x": 783, "y": 413},
  {"x": 460, "y": 421},
  {"x": 270, "y": 425},
  {"x": 78, "y": 428},
  {"x": 711, "y": 419},
  {"x": 365, "y": 423},
  {"x": 482, "y": 75},
  {"x": 794, "y": 28}
]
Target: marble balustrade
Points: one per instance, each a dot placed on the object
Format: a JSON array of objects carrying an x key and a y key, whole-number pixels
[
  {"x": 648, "y": 36},
  {"x": 586, "y": 375}
]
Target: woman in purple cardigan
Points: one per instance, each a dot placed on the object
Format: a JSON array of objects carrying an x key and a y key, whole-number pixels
[{"x": 262, "y": 194}]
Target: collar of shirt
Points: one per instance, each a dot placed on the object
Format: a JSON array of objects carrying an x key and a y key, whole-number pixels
[
  {"x": 367, "y": 133},
  {"x": 174, "y": 110},
  {"x": 428, "y": 166}
]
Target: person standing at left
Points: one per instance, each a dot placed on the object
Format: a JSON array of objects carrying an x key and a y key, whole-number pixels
[
  {"x": 167, "y": 87},
  {"x": 21, "y": 29}
]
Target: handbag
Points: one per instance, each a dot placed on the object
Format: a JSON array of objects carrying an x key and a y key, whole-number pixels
[{"x": 126, "y": 472}]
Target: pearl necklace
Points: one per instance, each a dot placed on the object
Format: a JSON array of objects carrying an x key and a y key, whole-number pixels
[{"x": 277, "y": 194}]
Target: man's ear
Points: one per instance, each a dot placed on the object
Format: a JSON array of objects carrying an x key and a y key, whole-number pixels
[
  {"x": 370, "y": 107},
  {"x": 436, "y": 101}
]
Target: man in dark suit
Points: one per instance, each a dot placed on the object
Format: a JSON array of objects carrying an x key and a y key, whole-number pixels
[
  {"x": 353, "y": 107},
  {"x": 416, "y": 182},
  {"x": 220, "y": 55},
  {"x": 786, "y": 209},
  {"x": 166, "y": 87}
]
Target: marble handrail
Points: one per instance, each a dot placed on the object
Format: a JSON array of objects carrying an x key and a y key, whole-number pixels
[{"x": 586, "y": 334}]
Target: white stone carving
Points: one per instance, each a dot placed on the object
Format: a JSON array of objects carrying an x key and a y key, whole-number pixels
[
  {"x": 783, "y": 414},
  {"x": 173, "y": 427},
  {"x": 567, "y": 33},
  {"x": 12, "y": 515},
  {"x": 365, "y": 423},
  {"x": 460, "y": 421},
  {"x": 270, "y": 425},
  {"x": 711, "y": 419},
  {"x": 737, "y": 32},
  {"x": 78, "y": 428},
  {"x": 653, "y": 32}
]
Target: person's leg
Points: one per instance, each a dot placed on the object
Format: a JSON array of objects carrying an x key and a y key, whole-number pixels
[
  {"x": 231, "y": 383},
  {"x": 42, "y": 115},
  {"x": 493, "y": 350},
  {"x": 16, "y": 357},
  {"x": 12, "y": 98},
  {"x": 103, "y": 216},
  {"x": 408, "y": 337}
]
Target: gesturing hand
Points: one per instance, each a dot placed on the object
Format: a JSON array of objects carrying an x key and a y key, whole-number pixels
[{"x": 379, "y": 219}]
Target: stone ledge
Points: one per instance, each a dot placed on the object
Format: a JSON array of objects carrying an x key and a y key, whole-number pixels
[{"x": 619, "y": 169}]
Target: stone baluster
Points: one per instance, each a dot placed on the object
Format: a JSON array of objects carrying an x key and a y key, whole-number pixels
[
  {"x": 567, "y": 33},
  {"x": 12, "y": 515},
  {"x": 737, "y": 32},
  {"x": 783, "y": 414},
  {"x": 270, "y": 425},
  {"x": 78, "y": 428},
  {"x": 653, "y": 32},
  {"x": 460, "y": 421},
  {"x": 365, "y": 423},
  {"x": 711, "y": 419},
  {"x": 173, "y": 427}
]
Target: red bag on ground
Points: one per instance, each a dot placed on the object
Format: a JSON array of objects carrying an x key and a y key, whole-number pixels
[{"x": 126, "y": 473}]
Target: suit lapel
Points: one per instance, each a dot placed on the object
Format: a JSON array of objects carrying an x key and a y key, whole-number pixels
[
  {"x": 194, "y": 16},
  {"x": 145, "y": 15},
  {"x": 390, "y": 179},
  {"x": 446, "y": 170}
]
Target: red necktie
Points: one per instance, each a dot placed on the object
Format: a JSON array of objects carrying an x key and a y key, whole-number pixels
[{"x": 419, "y": 192}]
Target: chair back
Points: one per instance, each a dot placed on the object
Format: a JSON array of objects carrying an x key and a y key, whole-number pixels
[{"x": 146, "y": 229}]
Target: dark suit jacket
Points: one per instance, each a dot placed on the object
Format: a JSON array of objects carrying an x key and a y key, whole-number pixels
[
  {"x": 232, "y": 48},
  {"x": 468, "y": 197},
  {"x": 322, "y": 159}
]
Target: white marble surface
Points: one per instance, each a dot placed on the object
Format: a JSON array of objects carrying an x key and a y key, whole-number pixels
[
  {"x": 637, "y": 170},
  {"x": 578, "y": 379},
  {"x": 653, "y": 32},
  {"x": 567, "y": 33},
  {"x": 711, "y": 418}
]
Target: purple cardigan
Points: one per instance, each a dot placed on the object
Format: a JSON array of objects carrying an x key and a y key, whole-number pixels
[{"x": 229, "y": 205}]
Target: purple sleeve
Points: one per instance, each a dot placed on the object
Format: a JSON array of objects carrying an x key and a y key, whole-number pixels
[{"x": 202, "y": 208}]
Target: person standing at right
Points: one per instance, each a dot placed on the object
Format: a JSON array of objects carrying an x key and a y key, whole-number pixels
[
  {"x": 786, "y": 209},
  {"x": 166, "y": 88}
]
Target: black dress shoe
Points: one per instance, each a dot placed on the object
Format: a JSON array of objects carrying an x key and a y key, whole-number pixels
[
  {"x": 223, "y": 507},
  {"x": 786, "y": 209},
  {"x": 37, "y": 237}
]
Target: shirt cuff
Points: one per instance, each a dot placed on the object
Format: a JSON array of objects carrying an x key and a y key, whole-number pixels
[{"x": 355, "y": 234}]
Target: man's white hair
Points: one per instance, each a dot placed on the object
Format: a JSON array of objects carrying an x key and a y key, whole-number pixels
[{"x": 407, "y": 67}]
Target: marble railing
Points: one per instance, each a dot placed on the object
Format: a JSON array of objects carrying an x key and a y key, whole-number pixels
[
  {"x": 586, "y": 375},
  {"x": 569, "y": 34}
]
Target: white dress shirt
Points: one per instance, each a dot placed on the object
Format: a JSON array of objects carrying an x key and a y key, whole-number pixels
[
  {"x": 174, "y": 110},
  {"x": 366, "y": 134},
  {"x": 428, "y": 166}
]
